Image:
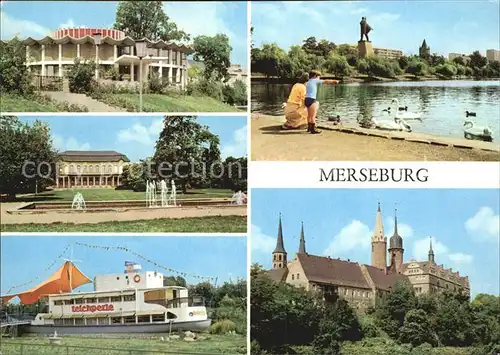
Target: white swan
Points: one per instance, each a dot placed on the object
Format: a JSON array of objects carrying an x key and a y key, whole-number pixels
[
  {"x": 405, "y": 115},
  {"x": 471, "y": 131},
  {"x": 283, "y": 105},
  {"x": 397, "y": 124}
]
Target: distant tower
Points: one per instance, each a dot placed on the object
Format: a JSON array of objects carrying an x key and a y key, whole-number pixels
[
  {"x": 302, "y": 245},
  {"x": 424, "y": 50},
  {"x": 431, "y": 252},
  {"x": 379, "y": 243},
  {"x": 396, "y": 247},
  {"x": 279, "y": 253}
]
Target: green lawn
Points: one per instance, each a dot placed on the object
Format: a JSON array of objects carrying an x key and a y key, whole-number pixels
[
  {"x": 213, "y": 344},
  {"x": 93, "y": 194},
  {"x": 164, "y": 103},
  {"x": 16, "y": 103},
  {"x": 211, "y": 224}
]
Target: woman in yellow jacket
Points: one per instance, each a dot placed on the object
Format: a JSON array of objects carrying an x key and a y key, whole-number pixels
[{"x": 295, "y": 109}]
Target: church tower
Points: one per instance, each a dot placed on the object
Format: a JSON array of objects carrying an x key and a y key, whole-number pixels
[
  {"x": 396, "y": 247},
  {"x": 379, "y": 243},
  {"x": 279, "y": 253},
  {"x": 424, "y": 51},
  {"x": 302, "y": 245},
  {"x": 431, "y": 252}
]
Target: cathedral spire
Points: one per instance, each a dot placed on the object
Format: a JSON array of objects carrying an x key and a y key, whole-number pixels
[
  {"x": 379, "y": 242},
  {"x": 431, "y": 252},
  {"x": 302, "y": 245},
  {"x": 378, "y": 231},
  {"x": 280, "y": 248}
]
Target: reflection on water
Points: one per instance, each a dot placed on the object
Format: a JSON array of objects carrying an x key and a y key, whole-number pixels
[{"x": 442, "y": 104}]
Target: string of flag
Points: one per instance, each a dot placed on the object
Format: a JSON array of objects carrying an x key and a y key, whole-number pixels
[
  {"x": 170, "y": 270},
  {"x": 39, "y": 278}
]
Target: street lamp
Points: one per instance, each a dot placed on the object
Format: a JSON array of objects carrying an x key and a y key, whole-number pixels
[
  {"x": 97, "y": 42},
  {"x": 140, "y": 49}
]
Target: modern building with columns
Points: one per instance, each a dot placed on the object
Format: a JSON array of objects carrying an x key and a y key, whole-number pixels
[
  {"x": 53, "y": 55},
  {"x": 90, "y": 169}
]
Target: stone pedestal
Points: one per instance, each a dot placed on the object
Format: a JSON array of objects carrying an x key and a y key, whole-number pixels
[{"x": 365, "y": 49}]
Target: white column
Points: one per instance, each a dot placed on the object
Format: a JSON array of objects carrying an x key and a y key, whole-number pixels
[
  {"x": 178, "y": 75},
  {"x": 161, "y": 69},
  {"x": 132, "y": 72},
  {"x": 170, "y": 79},
  {"x": 43, "y": 59},
  {"x": 182, "y": 77},
  {"x": 78, "y": 50},
  {"x": 115, "y": 51},
  {"x": 97, "y": 62},
  {"x": 60, "y": 60}
]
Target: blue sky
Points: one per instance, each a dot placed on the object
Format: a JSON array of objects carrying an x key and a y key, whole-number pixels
[
  {"x": 226, "y": 259},
  {"x": 39, "y": 18},
  {"x": 463, "y": 224},
  {"x": 447, "y": 26},
  {"x": 136, "y": 136}
]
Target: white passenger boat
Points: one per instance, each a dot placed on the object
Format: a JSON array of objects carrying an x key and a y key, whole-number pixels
[{"x": 133, "y": 302}]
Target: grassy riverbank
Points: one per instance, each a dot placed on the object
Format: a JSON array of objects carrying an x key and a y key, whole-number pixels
[{"x": 212, "y": 344}]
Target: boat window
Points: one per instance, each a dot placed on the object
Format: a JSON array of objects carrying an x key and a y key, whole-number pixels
[
  {"x": 143, "y": 319},
  {"x": 91, "y": 300},
  {"x": 116, "y": 320},
  {"x": 158, "y": 318},
  {"x": 67, "y": 302},
  {"x": 58, "y": 303},
  {"x": 79, "y": 301},
  {"x": 103, "y": 300},
  {"x": 128, "y": 298},
  {"x": 170, "y": 315},
  {"x": 68, "y": 321},
  {"x": 58, "y": 321},
  {"x": 91, "y": 321},
  {"x": 79, "y": 321},
  {"x": 103, "y": 320},
  {"x": 116, "y": 299},
  {"x": 130, "y": 319}
]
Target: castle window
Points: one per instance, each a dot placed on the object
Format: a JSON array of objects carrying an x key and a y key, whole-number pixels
[
  {"x": 279, "y": 257},
  {"x": 78, "y": 168},
  {"x": 297, "y": 276},
  {"x": 293, "y": 276},
  {"x": 274, "y": 257}
]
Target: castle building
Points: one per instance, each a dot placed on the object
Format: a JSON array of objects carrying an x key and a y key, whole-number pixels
[
  {"x": 90, "y": 169},
  {"x": 424, "y": 50},
  {"x": 360, "y": 284},
  {"x": 108, "y": 48}
]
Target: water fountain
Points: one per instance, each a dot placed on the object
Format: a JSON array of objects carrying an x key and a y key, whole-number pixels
[
  {"x": 239, "y": 198},
  {"x": 164, "y": 193},
  {"x": 150, "y": 194},
  {"x": 173, "y": 194},
  {"x": 78, "y": 202}
]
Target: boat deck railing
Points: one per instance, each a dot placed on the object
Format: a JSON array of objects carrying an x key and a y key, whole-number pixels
[{"x": 194, "y": 301}]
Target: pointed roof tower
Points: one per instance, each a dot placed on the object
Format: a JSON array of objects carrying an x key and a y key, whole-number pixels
[
  {"x": 431, "y": 252},
  {"x": 378, "y": 231},
  {"x": 396, "y": 241},
  {"x": 280, "y": 248},
  {"x": 302, "y": 245},
  {"x": 424, "y": 44}
]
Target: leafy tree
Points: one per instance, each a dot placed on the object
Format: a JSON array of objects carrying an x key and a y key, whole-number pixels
[
  {"x": 186, "y": 147},
  {"x": 417, "y": 67},
  {"x": 205, "y": 290},
  {"x": 215, "y": 52},
  {"x": 135, "y": 175},
  {"x": 477, "y": 60},
  {"x": 454, "y": 321},
  {"x": 337, "y": 65},
  {"x": 235, "y": 174},
  {"x": 23, "y": 143},
  {"x": 403, "y": 62},
  {"x": 416, "y": 328},
  {"x": 322, "y": 48},
  {"x": 459, "y": 60},
  {"x": 81, "y": 76},
  {"x": 174, "y": 281},
  {"x": 447, "y": 70},
  {"x": 436, "y": 59},
  {"x": 14, "y": 74},
  {"x": 235, "y": 94},
  {"x": 146, "y": 19},
  {"x": 268, "y": 59}
]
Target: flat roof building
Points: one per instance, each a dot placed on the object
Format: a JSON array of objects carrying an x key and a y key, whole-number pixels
[{"x": 492, "y": 55}]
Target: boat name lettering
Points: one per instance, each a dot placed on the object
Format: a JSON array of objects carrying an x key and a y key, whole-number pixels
[
  {"x": 93, "y": 308},
  {"x": 198, "y": 313}
]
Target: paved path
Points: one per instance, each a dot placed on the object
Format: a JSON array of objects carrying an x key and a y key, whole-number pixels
[
  {"x": 108, "y": 216},
  {"x": 81, "y": 100},
  {"x": 269, "y": 142}
]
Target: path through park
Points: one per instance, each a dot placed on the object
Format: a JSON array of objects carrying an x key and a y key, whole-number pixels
[{"x": 81, "y": 100}]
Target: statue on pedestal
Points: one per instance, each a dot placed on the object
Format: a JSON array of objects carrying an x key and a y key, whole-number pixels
[{"x": 365, "y": 29}]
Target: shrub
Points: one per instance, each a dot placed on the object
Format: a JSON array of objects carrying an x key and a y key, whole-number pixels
[
  {"x": 235, "y": 94},
  {"x": 14, "y": 74},
  {"x": 223, "y": 326},
  {"x": 206, "y": 87},
  {"x": 81, "y": 77}
]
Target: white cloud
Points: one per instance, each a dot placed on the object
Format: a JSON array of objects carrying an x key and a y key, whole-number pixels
[
  {"x": 62, "y": 144},
  {"x": 484, "y": 225},
  {"x": 238, "y": 145},
  {"x": 11, "y": 27},
  {"x": 68, "y": 24},
  {"x": 261, "y": 242},
  {"x": 142, "y": 134},
  {"x": 460, "y": 258},
  {"x": 355, "y": 235}
]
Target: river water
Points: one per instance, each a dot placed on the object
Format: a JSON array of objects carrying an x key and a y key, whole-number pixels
[{"x": 442, "y": 104}]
